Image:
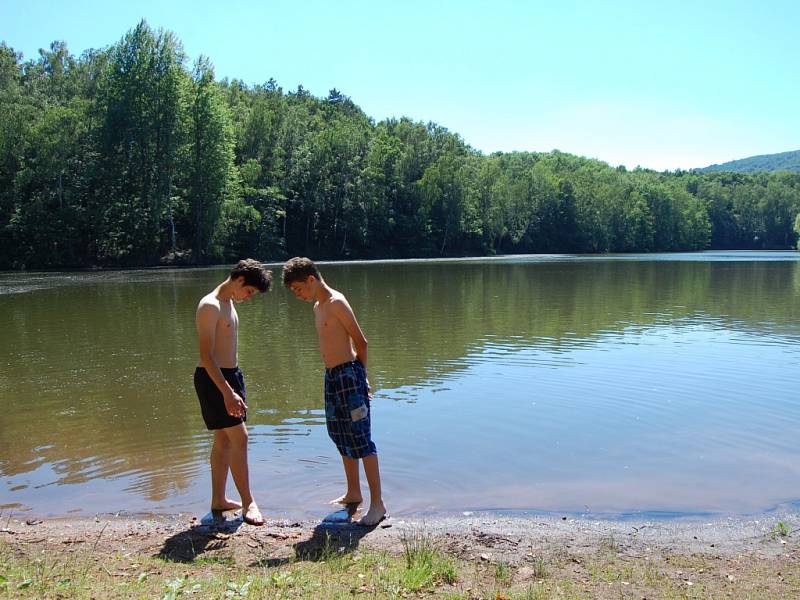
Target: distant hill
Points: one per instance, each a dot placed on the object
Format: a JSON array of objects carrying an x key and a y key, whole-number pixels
[{"x": 783, "y": 161}]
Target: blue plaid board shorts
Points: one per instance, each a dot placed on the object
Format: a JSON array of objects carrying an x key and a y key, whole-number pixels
[{"x": 347, "y": 410}]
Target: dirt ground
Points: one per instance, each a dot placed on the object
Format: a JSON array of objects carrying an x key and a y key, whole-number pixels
[{"x": 755, "y": 556}]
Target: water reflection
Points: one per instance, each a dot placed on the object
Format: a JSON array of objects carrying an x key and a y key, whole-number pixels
[{"x": 617, "y": 383}]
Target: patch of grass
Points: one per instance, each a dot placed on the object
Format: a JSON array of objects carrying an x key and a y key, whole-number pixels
[
  {"x": 652, "y": 576},
  {"x": 44, "y": 571},
  {"x": 226, "y": 561},
  {"x": 793, "y": 580},
  {"x": 502, "y": 573},
  {"x": 417, "y": 578},
  {"x": 610, "y": 544},
  {"x": 688, "y": 562},
  {"x": 379, "y": 560},
  {"x": 425, "y": 565},
  {"x": 447, "y": 571},
  {"x": 563, "y": 590},
  {"x": 235, "y": 590},
  {"x": 558, "y": 558},
  {"x": 540, "y": 570},
  {"x": 533, "y": 592},
  {"x": 781, "y": 530},
  {"x": 420, "y": 569},
  {"x": 336, "y": 559},
  {"x": 178, "y": 586},
  {"x": 282, "y": 580},
  {"x": 610, "y": 571}
]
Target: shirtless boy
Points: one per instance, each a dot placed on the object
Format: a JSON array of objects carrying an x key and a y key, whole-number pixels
[
  {"x": 347, "y": 395},
  {"x": 220, "y": 385}
]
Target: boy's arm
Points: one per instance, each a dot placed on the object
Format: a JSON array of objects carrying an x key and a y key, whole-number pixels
[{"x": 206, "y": 322}]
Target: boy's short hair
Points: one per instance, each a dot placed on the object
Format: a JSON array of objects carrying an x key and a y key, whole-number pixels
[
  {"x": 299, "y": 268},
  {"x": 254, "y": 274}
]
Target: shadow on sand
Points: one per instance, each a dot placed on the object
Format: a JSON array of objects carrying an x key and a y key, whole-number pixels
[
  {"x": 187, "y": 545},
  {"x": 336, "y": 534}
]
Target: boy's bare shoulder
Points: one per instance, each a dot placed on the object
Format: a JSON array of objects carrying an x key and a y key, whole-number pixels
[
  {"x": 208, "y": 304},
  {"x": 339, "y": 304},
  {"x": 338, "y": 297}
]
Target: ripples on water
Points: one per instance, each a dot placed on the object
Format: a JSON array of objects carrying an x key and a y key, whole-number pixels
[{"x": 603, "y": 384}]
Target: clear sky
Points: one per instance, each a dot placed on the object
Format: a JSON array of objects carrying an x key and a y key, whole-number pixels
[{"x": 663, "y": 85}]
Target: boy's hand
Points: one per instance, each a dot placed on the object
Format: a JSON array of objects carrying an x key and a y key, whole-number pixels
[{"x": 234, "y": 404}]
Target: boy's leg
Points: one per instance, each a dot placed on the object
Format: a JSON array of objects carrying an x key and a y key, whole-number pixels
[
  {"x": 353, "y": 493},
  {"x": 237, "y": 438},
  {"x": 220, "y": 463},
  {"x": 377, "y": 510}
]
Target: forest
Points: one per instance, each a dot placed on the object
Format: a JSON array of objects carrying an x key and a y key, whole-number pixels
[
  {"x": 782, "y": 161},
  {"x": 130, "y": 156}
]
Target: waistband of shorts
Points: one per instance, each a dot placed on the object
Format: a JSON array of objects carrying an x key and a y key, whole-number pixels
[
  {"x": 350, "y": 363},
  {"x": 225, "y": 370}
]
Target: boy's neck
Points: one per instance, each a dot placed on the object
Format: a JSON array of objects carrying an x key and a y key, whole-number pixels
[
  {"x": 322, "y": 291},
  {"x": 225, "y": 290}
]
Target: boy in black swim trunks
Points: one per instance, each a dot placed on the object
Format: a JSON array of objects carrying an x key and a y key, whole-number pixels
[
  {"x": 220, "y": 384},
  {"x": 347, "y": 395}
]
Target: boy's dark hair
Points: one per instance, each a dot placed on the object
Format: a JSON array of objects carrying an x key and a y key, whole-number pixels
[
  {"x": 299, "y": 268},
  {"x": 254, "y": 274}
]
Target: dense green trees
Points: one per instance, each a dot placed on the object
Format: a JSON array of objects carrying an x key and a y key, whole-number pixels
[
  {"x": 142, "y": 103},
  {"x": 126, "y": 156}
]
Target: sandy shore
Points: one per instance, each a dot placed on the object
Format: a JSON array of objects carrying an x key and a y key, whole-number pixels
[
  {"x": 505, "y": 537},
  {"x": 717, "y": 554}
]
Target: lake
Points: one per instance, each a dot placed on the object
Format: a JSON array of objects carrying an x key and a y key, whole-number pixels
[{"x": 660, "y": 384}]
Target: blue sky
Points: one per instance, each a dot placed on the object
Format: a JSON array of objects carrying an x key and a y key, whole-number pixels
[{"x": 657, "y": 84}]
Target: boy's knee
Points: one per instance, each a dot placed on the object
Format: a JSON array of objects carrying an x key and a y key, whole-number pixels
[
  {"x": 237, "y": 436},
  {"x": 231, "y": 437},
  {"x": 221, "y": 440}
]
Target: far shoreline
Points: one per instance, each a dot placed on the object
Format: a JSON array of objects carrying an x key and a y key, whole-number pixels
[{"x": 552, "y": 256}]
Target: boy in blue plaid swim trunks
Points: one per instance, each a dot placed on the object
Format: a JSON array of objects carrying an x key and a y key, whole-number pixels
[
  {"x": 347, "y": 392},
  {"x": 347, "y": 410}
]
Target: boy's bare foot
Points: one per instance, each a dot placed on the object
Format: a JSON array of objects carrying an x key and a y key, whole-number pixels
[
  {"x": 227, "y": 505},
  {"x": 347, "y": 500},
  {"x": 374, "y": 515},
  {"x": 252, "y": 515}
]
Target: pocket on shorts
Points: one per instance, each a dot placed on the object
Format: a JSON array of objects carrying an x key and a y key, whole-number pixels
[
  {"x": 359, "y": 413},
  {"x": 357, "y": 407},
  {"x": 360, "y": 422}
]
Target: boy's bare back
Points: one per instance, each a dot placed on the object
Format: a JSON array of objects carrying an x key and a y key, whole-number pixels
[{"x": 337, "y": 329}]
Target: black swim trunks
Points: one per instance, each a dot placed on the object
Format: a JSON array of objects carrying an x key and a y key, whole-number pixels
[
  {"x": 212, "y": 404},
  {"x": 347, "y": 410}
]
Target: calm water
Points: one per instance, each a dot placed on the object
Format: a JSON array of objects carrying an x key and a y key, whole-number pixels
[{"x": 600, "y": 384}]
